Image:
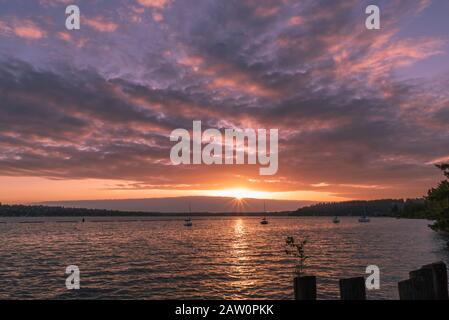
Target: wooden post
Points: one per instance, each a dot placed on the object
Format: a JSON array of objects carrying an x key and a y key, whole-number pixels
[
  {"x": 305, "y": 288},
  {"x": 422, "y": 283},
  {"x": 406, "y": 291},
  {"x": 418, "y": 287},
  {"x": 352, "y": 289},
  {"x": 439, "y": 272}
]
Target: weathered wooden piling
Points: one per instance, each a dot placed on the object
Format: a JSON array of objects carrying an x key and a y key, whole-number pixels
[
  {"x": 422, "y": 284},
  {"x": 426, "y": 283},
  {"x": 430, "y": 282},
  {"x": 352, "y": 289},
  {"x": 305, "y": 288},
  {"x": 406, "y": 291},
  {"x": 439, "y": 272}
]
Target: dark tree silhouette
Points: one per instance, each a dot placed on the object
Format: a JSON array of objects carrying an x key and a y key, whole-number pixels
[
  {"x": 437, "y": 202},
  {"x": 445, "y": 168}
]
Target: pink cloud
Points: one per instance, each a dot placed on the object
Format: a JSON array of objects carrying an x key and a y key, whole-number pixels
[
  {"x": 153, "y": 3},
  {"x": 54, "y": 3},
  {"x": 158, "y": 17},
  {"x": 4, "y": 28},
  {"x": 266, "y": 12},
  {"x": 64, "y": 36},
  {"x": 24, "y": 29},
  {"x": 100, "y": 24},
  {"x": 294, "y": 21},
  {"x": 224, "y": 77}
]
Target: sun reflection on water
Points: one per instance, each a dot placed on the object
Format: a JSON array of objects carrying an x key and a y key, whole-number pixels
[{"x": 242, "y": 264}]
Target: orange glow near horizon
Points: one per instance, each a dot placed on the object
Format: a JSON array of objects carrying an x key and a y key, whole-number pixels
[
  {"x": 348, "y": 119},
  {"x": 245, "y": 193},
  {"x": 25, "y": 190},
  {"x": 240, "y": 193}
]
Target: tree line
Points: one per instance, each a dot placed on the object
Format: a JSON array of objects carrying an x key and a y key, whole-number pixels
[{"x": 433, "y": 206}]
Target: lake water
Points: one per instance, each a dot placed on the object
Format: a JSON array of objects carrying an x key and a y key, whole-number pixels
[{"x": 217, "y": 258}]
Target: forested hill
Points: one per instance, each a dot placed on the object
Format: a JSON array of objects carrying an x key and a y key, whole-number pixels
[
  {"x": 48, "y": 211},
  {"x": 385, "y": 207}
]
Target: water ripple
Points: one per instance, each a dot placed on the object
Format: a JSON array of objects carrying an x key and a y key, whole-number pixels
[{"x": 218, "y": 258}]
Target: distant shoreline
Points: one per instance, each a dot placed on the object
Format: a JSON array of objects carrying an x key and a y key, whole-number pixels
[{"x": 53, "y": 211}]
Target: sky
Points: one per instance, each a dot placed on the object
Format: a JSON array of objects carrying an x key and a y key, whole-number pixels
[{"x": 87, "y": 114}]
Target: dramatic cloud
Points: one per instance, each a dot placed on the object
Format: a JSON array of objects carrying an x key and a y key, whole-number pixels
[
  {"x": 26, "y": 29},
  {"x": 100, "y": 24},
  {"x": 100, "y": 103},
  {"x": 153, "y": 3}
]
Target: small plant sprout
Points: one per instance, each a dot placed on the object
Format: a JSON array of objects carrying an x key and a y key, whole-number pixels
[{"x": 297, "y": 249}]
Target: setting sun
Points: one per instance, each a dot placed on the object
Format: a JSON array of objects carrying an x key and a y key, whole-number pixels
[
  {"x": 242, "y": 193},
  {"x": 239, "y": 151}
]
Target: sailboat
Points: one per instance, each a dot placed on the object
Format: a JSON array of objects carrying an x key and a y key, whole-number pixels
[
  {"x": 364, "y": 218},
  {"x": 264, "y": 220},
  {"x": 336, "y": 220},
  {"x": 188, "y": 221}
]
